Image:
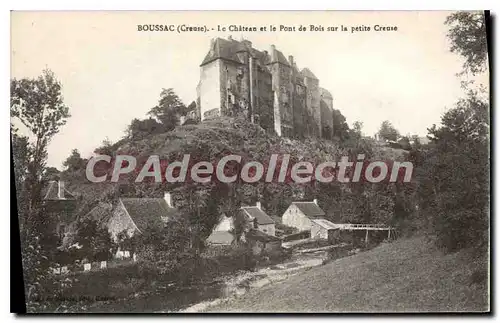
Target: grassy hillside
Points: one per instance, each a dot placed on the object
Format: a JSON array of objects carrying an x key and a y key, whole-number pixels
[{"x": 406, "y": 275}]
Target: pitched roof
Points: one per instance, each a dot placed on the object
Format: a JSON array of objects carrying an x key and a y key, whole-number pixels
[
  {"x": 256, "y": 213},
  {"x": 101, "y": 213},
  {"x": 222, "y": 48},
  {"x": 260, "y": 236},
  {"x": 307, "y": 73},
  {"x": 149, "y": 212},
  {"x": 278, "y": 57},
  {"x": 221, "y": 237},
  {"x": 325, "y": 93},
  {"x": 325, "y": 224},
  {"x": 51, "y": 192},
  {"x": 229, "y": 48},
  {"x": 310, "y": 209}
]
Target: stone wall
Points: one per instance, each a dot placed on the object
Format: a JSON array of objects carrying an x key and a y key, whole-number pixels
[
  {"x": 313, "y": 105},
  {"x": 210, "y": 90}
]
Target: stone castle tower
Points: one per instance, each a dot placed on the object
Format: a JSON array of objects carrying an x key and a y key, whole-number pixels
[{"x": 236, "y": 78}]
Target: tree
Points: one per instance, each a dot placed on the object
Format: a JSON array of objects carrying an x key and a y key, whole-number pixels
[
  {"x": 74, "y": 162},
  {"x": 139, "y": 129},
  {"x": 106, "y": 148},
  {"x": 467, "y": 34},
  {"x": 454, "y": 177},
  {"x": 95, "y": 240},
  {"x": 340, "y": 126},
  {"x": 357, "y": 128},
  {"x": 22, "y": 153},
  {"x": 453, "y": 172},
  {"x": 39, "y": 105},
  {"x": 388, "y": 132},
  {"x": 168, "y": 110},
  {"x": 404, "y": 142}
]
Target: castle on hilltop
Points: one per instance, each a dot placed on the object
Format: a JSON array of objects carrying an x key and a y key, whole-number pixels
[{"x": 270, "y": 90}]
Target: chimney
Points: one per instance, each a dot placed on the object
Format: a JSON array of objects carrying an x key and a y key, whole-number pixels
[
  {"x": 290, "y": 59},
  {"x": 315, "y": 201},
  {"x": 273, "y": 53},
  {"x": 230, "y": 37},
  {"x": 258, "y": 205},
  {"x": 247, "y": 43},
  {"x": 168, "y": 199},
  {"x": 60, "y": 190}
]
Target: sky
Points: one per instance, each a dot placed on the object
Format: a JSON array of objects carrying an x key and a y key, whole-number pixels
[{"x": 111, "y": 73}]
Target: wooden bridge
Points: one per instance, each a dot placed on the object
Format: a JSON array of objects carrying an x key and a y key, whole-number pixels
[
  {"x": 366, "y": 227},
  {"x": 357, "y": 226}
]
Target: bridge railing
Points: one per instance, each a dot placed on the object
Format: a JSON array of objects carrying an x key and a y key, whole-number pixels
[{"x": 361, "y": 225}]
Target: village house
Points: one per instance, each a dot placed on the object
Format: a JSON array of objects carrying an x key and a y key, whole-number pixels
[
  {"x": 261, "y": 242},
  {"x": 223, "y": 233},
  {"x": 299, "y": 215},
  {"x": 138, "y": 215},
  {"x": 324, "y": 229},
  {"x": 253, "y": 217},
  {"x": 259, "y": 219},
  {"x": 59, "y": 206}
]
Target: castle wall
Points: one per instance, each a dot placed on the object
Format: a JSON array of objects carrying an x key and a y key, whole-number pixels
[
  {"x": 326, "y": 118},
  {"x": 210, "y": 90},
  {"x": 313, "y": 105},
  {"x": 299, "y": 109},
  {"x": 234, "y": 88},
  {"x": 281, "y": 78},
  {"x": 276, "y": 96},
  {"x": 264, "y": 97}
]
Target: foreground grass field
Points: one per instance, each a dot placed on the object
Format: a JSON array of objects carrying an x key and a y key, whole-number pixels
[{"x": 406, "y": 275}]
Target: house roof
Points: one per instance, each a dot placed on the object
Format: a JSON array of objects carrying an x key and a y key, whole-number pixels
[
  {"x": 260, "y": 236},
  {"x": 325, "y": 224},
  {"x": 325, "y": 93},
  {"x": 310, "y": 209},
  {"x": 221, "y": 237},
  {"x": 307, "y": 73},
  {"x": 228, "y": 49},
  {"x": 101, "y": 213},
  {"x": 222, "y": 48},
  {"x": 278, "y": 57},
  {"x": 256, "y": 213},
  {"x": 51, "y": 193},
  {"x": 149, "y": 212}
]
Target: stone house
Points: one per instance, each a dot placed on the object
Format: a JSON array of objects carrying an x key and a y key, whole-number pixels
[
  {"x": 253, "y": 218},
  {"x": 299, "y": 215},
  {"x": 222, "y": 234},
  {"x": 258, "y": 219},
  {"x": 133, "y": 216},
  {"x": 59, "y": 208}
]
